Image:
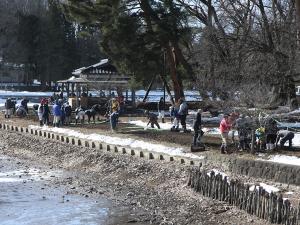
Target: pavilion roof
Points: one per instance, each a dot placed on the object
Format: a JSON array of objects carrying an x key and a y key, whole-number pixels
[{"x": 74, "y": 79}]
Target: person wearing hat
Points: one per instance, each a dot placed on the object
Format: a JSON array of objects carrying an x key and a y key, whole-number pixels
[{"x": 225, "y": 127}]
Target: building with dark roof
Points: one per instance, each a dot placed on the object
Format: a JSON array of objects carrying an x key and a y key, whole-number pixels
[{"x": 102, "y": 73}]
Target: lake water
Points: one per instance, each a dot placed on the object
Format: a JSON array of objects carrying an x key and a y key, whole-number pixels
[{"x": 26, "y": 198}]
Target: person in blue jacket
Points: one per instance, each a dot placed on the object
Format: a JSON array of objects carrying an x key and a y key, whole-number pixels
[{"x": 57, "y": 113}]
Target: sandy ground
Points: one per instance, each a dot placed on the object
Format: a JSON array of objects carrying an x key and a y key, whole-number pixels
[{"x": 156, "y": 192}]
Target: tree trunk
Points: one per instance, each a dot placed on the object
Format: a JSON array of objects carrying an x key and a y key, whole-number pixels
[
  {"x": 149, "y": 89},
  {"x": 284, "y": 93},
  {"x": 283, "y": 89},
  {"x": 167, "y": 88},
  {"x": 150, "y": 15},
  {"x": 176, "y": 79}
]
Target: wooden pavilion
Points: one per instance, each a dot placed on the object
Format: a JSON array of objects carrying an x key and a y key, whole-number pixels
[{"x": 102, "y": 76}]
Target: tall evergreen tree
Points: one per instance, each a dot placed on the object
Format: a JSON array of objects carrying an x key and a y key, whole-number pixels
[{"x": 137, "y": 34}]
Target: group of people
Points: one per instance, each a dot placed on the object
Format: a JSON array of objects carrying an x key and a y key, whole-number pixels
[
  {"x": 178, "y": 113},
  {"x": 11, "y": 109},
  {"x": 61, "y": 113},
  {"x": 267, "y": 137}
]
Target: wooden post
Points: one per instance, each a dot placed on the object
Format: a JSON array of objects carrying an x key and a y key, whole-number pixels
[{"x": 258, "y": 202}]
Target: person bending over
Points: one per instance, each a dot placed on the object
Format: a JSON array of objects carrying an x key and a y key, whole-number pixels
[
  {"x": 152, "y": 119},
  {"x": 284, "y": 136}
]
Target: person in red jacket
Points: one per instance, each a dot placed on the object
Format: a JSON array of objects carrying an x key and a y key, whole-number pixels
[{"x": 224, "y": 129}]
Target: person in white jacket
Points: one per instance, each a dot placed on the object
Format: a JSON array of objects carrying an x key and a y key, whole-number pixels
[
  {"x": 183, "y": 112},
  {"x": 40, "y": 113}
]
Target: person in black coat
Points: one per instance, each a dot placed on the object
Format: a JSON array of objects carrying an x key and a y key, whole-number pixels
[
  {"x": 152, "y": 119},
  {"x": 68, "y": 113},
  {"x": 8, "y": 107},
  {"x": 285, "y": 136},
  {"x": 24, "y": 103},
  {"x": 46, "y": 113},
  {"x": 197, "y": 129}
]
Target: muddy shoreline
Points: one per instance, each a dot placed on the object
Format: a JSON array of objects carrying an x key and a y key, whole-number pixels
[{"x": 157, "y": 193}]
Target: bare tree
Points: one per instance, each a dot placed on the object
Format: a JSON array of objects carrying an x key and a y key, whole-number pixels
[{"x": 244, "y": 42}]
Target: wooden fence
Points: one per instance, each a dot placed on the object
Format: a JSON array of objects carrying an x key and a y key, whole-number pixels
[{"x": 259, "y": 202}]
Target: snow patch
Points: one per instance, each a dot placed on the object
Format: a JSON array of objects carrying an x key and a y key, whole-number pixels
[
  {"x": 284, "y": 159},
  {"x": 121, "y": 141},
  {"x": 217, "y": 172},
  {"x": 266, "y": 187}
]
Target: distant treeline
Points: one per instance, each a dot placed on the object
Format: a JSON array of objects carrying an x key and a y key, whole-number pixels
[{"x": 37, "y": 34}]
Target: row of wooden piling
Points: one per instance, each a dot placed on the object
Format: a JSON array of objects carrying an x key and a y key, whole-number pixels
[
  {"x": 268, "y": 206},
  {"x": 138, "y": 152}
]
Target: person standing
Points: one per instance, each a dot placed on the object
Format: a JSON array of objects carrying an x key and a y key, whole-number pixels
[
  {"x": 56, "y": 114},
  {"x": 8, "y": 108},
  {"x": 197, "y": 129},
  {"x": 183, "y": 111},
  {"x": 160, "y": 109},
  {"x": 68, "y": 113},
  {"x": 243, "y": 131},
  {"x": 121, "y": 100},
  {"x": 271, "y": 133},
  {"x": 115, "y": 107},
  {"x": 63, "y": 115},
  {"x": 41, "y": 112},
  {"x": 24, "y": 103},
  {"x": 176, "y": 117},
  {"x": 46, "y": 112},
  {"x": 225, "y": 127}
]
